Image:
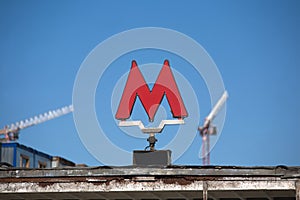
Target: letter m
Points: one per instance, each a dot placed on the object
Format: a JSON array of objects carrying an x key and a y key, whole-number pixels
[{"x": 136, "y": 86}]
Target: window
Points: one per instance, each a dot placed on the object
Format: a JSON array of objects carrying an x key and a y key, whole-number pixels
[
  {"x": 24, "y": 161},
  {"x": 42, "y": 164}
]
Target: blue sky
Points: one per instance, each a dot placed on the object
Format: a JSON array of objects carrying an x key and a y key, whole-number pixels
[{"x": 255, "y": 45}]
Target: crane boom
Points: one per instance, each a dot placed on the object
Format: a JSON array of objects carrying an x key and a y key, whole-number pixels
[
  {"x": 16, "y": 127},
  {"x": 216, "y": 109},
  {"x": 206, "y": 130}
]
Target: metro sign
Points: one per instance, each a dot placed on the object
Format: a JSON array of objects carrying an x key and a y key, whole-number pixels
[
  {"x": 92, "y": 130},
  {"x": 136, "y": 86}
]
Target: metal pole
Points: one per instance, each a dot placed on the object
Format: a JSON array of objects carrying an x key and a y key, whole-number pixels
[
  {"x": 297, "y": 190},
  {"x": 205, "y": 188}
]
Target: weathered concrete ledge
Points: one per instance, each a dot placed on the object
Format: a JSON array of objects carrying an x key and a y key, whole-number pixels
[{"x": 153, "y": 182}]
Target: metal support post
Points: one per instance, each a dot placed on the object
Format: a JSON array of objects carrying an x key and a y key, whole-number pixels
[
  {"x": 297, "y": 190},
  {"x": 205, "y": 188}
]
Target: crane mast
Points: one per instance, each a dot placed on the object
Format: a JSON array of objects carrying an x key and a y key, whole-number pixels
[
  {"x": 11, "y": 132},
  {"x": 207, "y": 129}
]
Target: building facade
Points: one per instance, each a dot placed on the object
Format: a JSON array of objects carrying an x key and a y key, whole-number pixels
[{"x": 17, "y": 155}]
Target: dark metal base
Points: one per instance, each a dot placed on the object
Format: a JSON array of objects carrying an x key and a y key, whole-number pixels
[{"x": 152, "y": 158}]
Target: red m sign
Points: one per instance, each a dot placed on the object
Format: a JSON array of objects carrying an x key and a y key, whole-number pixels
[{"x": 136, "y": 86}]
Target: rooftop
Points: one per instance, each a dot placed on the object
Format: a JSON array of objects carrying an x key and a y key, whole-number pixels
[{"x": 129, "y": 182}]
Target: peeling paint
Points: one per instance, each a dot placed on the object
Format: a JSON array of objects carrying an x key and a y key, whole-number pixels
[{"x": 148, "y": 180}]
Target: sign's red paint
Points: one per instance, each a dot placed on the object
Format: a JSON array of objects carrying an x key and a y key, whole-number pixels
[{"x": 136, "y": 86}]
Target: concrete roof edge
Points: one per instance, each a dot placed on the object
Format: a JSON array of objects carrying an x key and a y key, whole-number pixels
[{"x": 216, "y": 171}]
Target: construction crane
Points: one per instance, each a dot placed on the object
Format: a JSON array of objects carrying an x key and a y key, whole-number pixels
[
  {"x": 11, "y": 132},
  {"x": 207, "y": 129}
]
